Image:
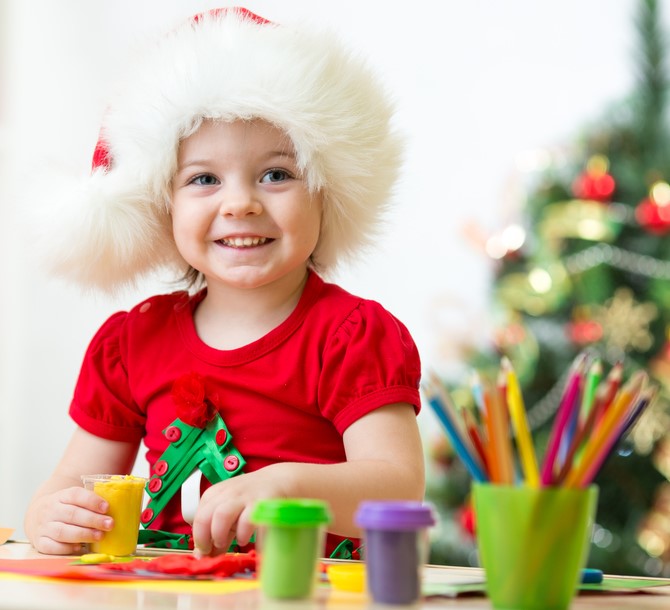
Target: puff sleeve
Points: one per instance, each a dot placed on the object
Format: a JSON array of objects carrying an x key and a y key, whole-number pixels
[
  {"x": 102, "y": 403},
  {"x": 370, "y": 361}
]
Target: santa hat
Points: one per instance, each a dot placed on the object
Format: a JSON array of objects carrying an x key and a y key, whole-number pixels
[{"x": 114, "y": 226}]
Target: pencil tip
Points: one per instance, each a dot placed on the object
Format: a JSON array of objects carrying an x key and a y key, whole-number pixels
[{"x": 617, "y": 371}]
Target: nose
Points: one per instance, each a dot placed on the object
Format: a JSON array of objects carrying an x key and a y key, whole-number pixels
[{"x": 239, "y": 200}]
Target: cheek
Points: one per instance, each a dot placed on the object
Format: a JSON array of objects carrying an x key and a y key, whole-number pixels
[{"x": 185, "y": 227}]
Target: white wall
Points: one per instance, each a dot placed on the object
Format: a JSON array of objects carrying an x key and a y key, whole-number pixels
[{"x": 479, "y": 83}]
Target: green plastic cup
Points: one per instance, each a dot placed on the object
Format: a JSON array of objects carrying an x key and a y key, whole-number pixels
[
  {"x": 533, "y": 543},
  {"x": 291, "y": 538}
]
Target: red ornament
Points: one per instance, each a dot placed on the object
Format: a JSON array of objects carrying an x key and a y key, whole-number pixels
[
  {"x": 509, "y": 336},
  {"x": 193, "y": 408},
  {"x": 653, "y": 213},
  {"x": 595, "y": 183},
  {"x": 466, "y": 517},
  {"x": 583, "y": 332}
]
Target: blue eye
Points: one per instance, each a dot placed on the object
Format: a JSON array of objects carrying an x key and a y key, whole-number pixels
[
  {"x": 205, "y": 180},
  {"x": 275, "y": 175}
]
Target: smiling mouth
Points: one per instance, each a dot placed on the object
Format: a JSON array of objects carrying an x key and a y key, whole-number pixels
[{"x": 243, "y": 242}]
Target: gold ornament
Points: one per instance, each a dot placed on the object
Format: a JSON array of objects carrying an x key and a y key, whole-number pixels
[
  {"x": 654, "y": 532},
  {"x": 661, "y": 457},
  {"x": 540, "y": 291},
  {"x": 653, "y": 425},
  {"x": 625, "y": 322},
  {"x": 578, "y": 218}
]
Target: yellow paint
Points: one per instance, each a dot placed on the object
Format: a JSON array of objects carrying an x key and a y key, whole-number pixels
[
  {"x": 124, "y": 495},
  {"x": 96, "y": 558}
]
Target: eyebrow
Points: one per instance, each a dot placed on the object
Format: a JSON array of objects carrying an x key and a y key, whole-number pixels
[
  {"x": 270, "y": 155},
  {"x": 282, "y": 153}
]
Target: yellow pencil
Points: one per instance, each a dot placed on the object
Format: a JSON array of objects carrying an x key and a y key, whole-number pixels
[
  {"x": 524, "y": 440},
  {"x": 614, "y": 416}
]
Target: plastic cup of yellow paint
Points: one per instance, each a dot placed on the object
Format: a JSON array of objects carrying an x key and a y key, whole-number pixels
[
  {"x": 124, "y": 493},
  {"x": 533, "y": 543},
  {"x": 291, "y": 538}
]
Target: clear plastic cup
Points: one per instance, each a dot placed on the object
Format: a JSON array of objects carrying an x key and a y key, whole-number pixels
[
  {"x": 290, "y": 541},
  {"x": 396, "y": 548},
  {"x": 124, "y": 493},
  {"x": 533, "y": 543}
]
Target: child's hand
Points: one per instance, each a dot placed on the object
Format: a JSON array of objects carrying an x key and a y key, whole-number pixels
[
  {"x": 67, "y": 518},
  {"x": 225, "y": 508}
]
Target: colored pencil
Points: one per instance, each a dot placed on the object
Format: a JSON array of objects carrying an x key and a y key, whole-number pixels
[
  {"x": 519, "y": 420},
  {"x": 602, "y": 411},
  {"x": 566, "y": 408},
  {"x": 605, "y": 395},
  {"x": 583, "y": 430},
  {"x": 507, "y": 470},
  {"x": 476, "y": 438},
  {"x": 606, "y": 430},
  {"x": 493, "y": 450},
  {"x": 440, "y": 403},
  {"x": 646, "y": 395},
  {"x": 591, "y": 384}
]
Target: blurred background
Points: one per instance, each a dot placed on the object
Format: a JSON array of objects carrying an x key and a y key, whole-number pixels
[{"x": 504, "y": 106}]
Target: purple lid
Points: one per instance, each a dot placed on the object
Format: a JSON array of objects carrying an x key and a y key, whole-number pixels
[{"x": 395, "y": 515}]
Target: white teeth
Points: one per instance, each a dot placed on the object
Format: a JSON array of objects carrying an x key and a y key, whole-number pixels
[{"x": 243, "y": 242}]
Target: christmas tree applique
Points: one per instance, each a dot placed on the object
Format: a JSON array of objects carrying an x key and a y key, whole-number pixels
[{"x": 199, "y": 440}]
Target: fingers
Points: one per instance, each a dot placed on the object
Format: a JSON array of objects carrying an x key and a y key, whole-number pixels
[
  {"x": 70, "y": 518},
  {"x": 84, "y": 498},
  {"x": 215, "y": 522},
  {"x": 81, "y": 508},
  {"x": 245, "y": 529}
]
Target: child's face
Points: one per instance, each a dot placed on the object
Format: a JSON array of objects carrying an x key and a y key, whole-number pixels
[{"x": 241, "y": 213}]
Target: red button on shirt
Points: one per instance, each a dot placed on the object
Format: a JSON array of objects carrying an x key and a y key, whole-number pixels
[
  {"x": 161, "y": 467},
  {"x": 172, "y": 433},
  {"x": 231, "y": 463},
  {"x": 221, "y": 437}
]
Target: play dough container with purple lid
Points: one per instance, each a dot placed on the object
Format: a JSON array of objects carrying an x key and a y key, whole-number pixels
[
  {"x": 396, "y": 548},
  {"x": 290, "y": 541},
  {"x": 124, "y": 494}
]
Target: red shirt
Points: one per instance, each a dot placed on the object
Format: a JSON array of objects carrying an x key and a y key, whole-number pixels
[{"x": 286, "y": 397}]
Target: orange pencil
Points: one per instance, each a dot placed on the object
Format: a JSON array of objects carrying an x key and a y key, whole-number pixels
[
  {"x": 481, "y": 397},
  {"x": 502, "y": 425}
]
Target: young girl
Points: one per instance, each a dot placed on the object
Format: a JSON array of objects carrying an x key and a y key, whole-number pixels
[{"x": 250, "y": 158}]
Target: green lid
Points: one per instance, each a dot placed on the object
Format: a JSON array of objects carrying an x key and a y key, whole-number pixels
[{"x": 291, "y": 512}]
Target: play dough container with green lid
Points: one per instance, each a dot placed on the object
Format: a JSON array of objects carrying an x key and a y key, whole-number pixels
[
  {"x": 124, "y": 494},
  {"x": 291, "y": 538}
]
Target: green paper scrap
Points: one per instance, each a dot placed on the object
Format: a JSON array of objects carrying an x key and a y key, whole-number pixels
[
  {"x": 622, "y": 584},
  {"x": 610, "y": 584}
]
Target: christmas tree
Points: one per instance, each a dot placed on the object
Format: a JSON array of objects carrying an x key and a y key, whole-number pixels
[{"x": 588, "y": 268}]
